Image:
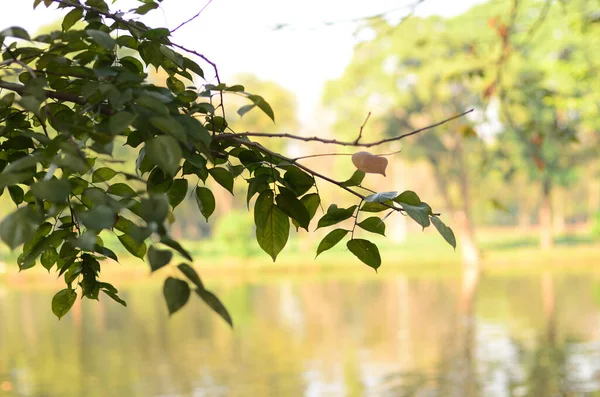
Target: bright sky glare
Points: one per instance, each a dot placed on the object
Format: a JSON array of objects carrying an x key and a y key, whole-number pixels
[{"x": 240, "y": 35}]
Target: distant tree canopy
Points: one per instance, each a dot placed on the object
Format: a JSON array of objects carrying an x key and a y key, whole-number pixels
[
  {"x": 71, "y": 97},
  {"x": 530, "y": 64}
]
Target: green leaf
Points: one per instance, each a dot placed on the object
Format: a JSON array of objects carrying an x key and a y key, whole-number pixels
[
  {"x": 103, "y": 174},
  {"x": 121, "y": 190},
  {"x": 159, "y": 181},
  {"x": 102, "y": 38},
  {"x": 177, "y": 247},
  {"x": 376, "y": 207},
  {"x": 191, "y": 274},
  {"x": 155, "y": 209},
  {"x": 169, "y": 126},
  {"x": 135, "y": 248},
  {"x": 235, "y": 88},
  {"x": 444, "y": 230},
  {"x": 106, "y": 252},
  {"x": 193, "y": 66},
  {"x": 175, "y": 85},
  {"x": 158, "y": 258},
  {"x": 177, "y": 293},
  {"x": 10, "y": 178},
  {"x": 355, "y": 180},
  {"x": 245, "y": 109},
  {"x": 54, "y": 190},
  {"x": 311, "y": 202},
  {"x": 115, "y": 297},
  {"x": 262, "y": 208},
  {"x": 98, "y": 218},
  {"x": 71, "y": 18},
  {"x": 366, "y": 251},
  {"x": 38, "y": 245},
  {"x": 126, "y": 226},
  {"x": 373, "y": 225},
  {"x": 63, "y": 301},
  {"x": 18, "y": 227},
  {"x": 415, "y": 208},
  {"x": 152, "y": 104},
  {"x": 263, "y": 105},
  {"x": 256, "y": 185},
  {"x": 177, "y": 192},
  {"x": 165, "y": 152},
  {"x": 298, "y": 181},
  {"x": 120, "y": 122},
  {"x": 408, "y": 197},
  {"x": 332, "y": 238},
  {"x": 49, "y": 258},
  {"x": 380, "y": 197},
  {"x": 214, "y": 303},
  {"x": 206, "y": 201},
  {"x": 293, "y": 208},
  {"x": 16, "y": 31},
  {"x": 335, "y": 215},
  {"x": 144, "y": 9},
  {"x": 223, "y": 177},
  {"x": 273, "y": 235},
  {"x": 16, "y": 194}
]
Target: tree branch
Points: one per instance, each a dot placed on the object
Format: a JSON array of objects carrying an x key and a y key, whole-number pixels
[
  {"x": 341, "y": 154},
  {"x": 117, "y": 18},
  {"x": 192, "y": 18},
  {"x": 308, "y": 170},
  {"x": 361, "y": 128},
  {"x": 61, "y": 96},
  {"x": 333, "y": 141}
]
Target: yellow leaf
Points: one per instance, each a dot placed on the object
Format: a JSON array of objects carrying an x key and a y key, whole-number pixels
[{"x": 369, "y": 163}]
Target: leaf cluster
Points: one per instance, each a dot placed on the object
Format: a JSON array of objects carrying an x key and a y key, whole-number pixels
[{"x": 76, "y": 99}]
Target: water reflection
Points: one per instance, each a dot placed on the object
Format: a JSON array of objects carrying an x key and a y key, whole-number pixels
[{"x": 394, "y": 336}]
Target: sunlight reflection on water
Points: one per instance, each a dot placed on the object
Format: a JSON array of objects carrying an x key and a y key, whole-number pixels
[{"x": 391, "y": 336}]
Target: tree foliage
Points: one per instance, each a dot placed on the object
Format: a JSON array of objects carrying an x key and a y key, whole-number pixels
[{"x": 71, "y": 99}]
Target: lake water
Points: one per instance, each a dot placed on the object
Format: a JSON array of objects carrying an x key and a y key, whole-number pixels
[{"x": 392, "y": 335}]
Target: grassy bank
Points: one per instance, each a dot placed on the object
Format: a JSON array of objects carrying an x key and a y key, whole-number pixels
[{"x": 504, "y": 252}]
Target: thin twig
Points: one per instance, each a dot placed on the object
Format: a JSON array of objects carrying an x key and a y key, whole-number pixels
[
  {"x": 212, "y": 64},
  {"x": 361, "y": 128},
  {"x": 506, "y": 47},
  {"x": 539, "y": 21},
  {"x": 18, "y": 62},
  {"x": 192, "y": 18},
  {"x": 342, "y": 154},
  {"x": 319, "y": 194},
  {"x": 333, "y": 141},
  {"x": 43, "y": 124},
  {"x": 358, "y": 19}
]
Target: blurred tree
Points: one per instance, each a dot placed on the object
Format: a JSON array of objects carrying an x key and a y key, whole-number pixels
[
  {"x": 528, "y": 63},
  {"x": 407, "y": 76},
  {"x": 550, "y": 97}
]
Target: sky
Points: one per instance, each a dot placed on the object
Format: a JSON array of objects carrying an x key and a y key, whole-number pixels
[{"x": 241, "y": 35}]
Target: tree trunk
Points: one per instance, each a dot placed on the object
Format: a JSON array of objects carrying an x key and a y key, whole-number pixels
[
  {"x": 546, "y": 239},
  {"x": 524, "y": 218},
  {"x": 558, "y": 211},
  {"x": 468, "y": 246},
  {"x": 593, "y": 201}
]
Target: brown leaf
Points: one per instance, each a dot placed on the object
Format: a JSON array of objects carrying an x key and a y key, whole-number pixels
[{"x": 369, "y": 163}]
